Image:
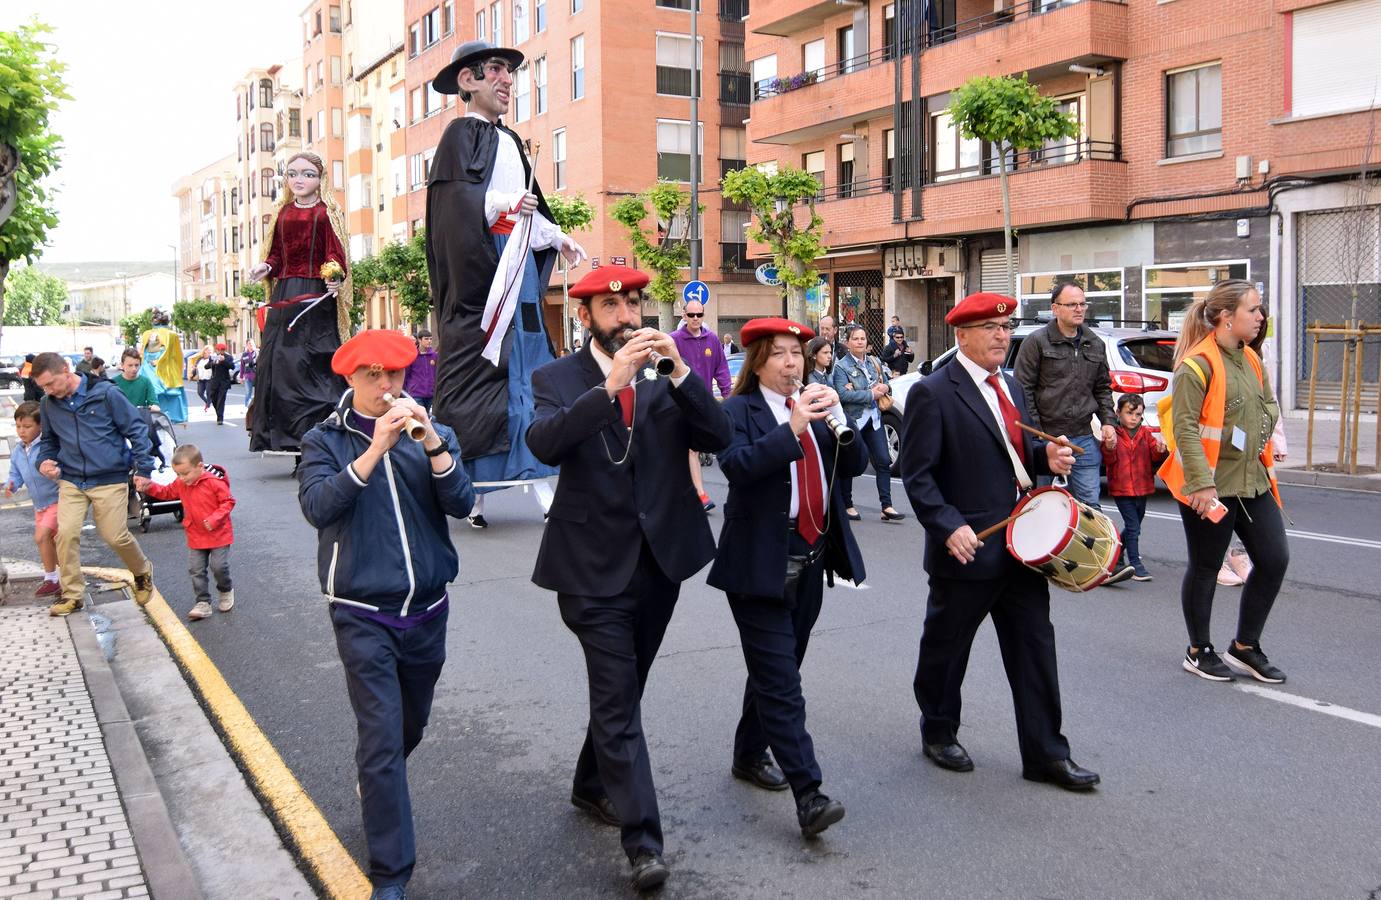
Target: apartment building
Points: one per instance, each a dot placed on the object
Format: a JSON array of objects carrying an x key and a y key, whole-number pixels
[
  {"x": 323, "y": 87},
  {"x": 604, "y": 97},
  {"x": 203, "y": 248},
  {"x": 1215, "y": 140}
]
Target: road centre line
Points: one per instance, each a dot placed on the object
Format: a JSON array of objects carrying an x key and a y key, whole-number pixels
[{"x": 1328, "y": 709}]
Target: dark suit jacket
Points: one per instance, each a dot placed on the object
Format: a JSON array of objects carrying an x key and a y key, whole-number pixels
[
  {"x": 753, "y": 543},
  {"x": 957, "y": 472},
  {"x": 602, "y": 511}
]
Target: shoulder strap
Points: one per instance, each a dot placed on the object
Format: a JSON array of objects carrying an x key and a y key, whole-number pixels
[{"x": 1197, "y": 370}]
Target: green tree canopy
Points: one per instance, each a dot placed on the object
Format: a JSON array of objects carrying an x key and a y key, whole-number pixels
[
  {"x": 134, "y": 325},
  {"x": 201, "y": 318},
  {"x": 670, "y": 253},
  {"x": 33, "y": 297},
  {"x": 400, "y": 267},
  {"x": 773, "y": 198},
  {"x": 571, "y": 214}
]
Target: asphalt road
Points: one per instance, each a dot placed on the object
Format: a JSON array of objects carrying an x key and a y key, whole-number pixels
[{"x": 1208, "y": 790}]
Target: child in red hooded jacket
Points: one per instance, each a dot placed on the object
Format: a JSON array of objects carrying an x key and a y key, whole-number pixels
[
  {"x": 1131, "y": 463},
  {"x": 206, "y": 505}
]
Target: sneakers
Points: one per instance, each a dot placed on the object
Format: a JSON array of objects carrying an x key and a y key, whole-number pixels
[
  {"x": 706, "y": 502},
  {"x": 65, "y": 607},
  {"x": 227, "y": 601},
  {"x": 1206, "y": 664},
  {"x": 1227, "y": 576},
  {"x": 201, "y": 611},
  {"x": 143, "y": 587},
  {"x": 1240, "y": 563},
  {"x": 389, "y": 892},
  {"x": 478, "y": 522},
  {"x": 1253, "y": 662},
  {"x": 1140, "y": 574},
  {"x": 1119, "y": 575},
  {"x": 48, "y": 589}
]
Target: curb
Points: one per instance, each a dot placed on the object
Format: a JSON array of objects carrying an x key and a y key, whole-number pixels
[
  {"x": 165, "y": 864},
  {"x": 1333, "y": 480}
]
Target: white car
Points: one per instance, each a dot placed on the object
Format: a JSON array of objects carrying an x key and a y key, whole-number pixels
[{"x": 1139, "y": 361}]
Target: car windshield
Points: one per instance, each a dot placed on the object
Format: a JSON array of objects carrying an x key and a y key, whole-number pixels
[{"x": 1149, "y": 353}]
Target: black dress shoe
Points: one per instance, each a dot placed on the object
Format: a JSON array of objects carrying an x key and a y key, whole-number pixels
[
  {"x": 762, "y": 773},
  {"x": 948, "y": 756},
  {"x": 649, "y": 871},
  {"x": 817, "y": 812},
  {"x": 1062, "y": 772},
  {"x": 602, "y": 809}
]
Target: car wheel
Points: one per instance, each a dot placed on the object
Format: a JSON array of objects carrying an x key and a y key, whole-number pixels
[{"x": 891, "y": 427}]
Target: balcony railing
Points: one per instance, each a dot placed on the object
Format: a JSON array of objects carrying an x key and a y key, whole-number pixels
[
  {"x": 731, "y": 165},
  {"x": 936, "y": 34},
  {"x": 859, "y": 187},
  {"x": 772, "y": 87},
  {"x": 735, "y": 87},
  {"x": 732, "y": 10}
]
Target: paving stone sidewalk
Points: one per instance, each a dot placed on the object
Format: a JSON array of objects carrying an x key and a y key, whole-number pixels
[{"x": 63, "y": 829}]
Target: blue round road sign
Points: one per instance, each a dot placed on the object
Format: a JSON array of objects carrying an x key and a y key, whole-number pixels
[{"x": 698, "y": 291}]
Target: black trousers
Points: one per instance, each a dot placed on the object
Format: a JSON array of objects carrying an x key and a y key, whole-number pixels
[
  {"x": 1257, "y": 521},
  {"x": 1020, "y": 606},
  {"x": 774, "y": 637},
  {"x": 218, "y": 392},
  {"x": 620, "y": 636},
  {"x": 391, "y": 674}
]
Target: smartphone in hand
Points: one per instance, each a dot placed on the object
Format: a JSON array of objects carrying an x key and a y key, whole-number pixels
[{"x": 1216, "y": 511}]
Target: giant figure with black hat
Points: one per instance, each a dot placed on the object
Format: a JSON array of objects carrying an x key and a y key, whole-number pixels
[{"x": 491, "y": 246}]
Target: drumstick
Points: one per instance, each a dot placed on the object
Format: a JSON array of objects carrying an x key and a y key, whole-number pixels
[
  {"x": 1063, "y": 442},
  {"x": 993, "y": 529}
]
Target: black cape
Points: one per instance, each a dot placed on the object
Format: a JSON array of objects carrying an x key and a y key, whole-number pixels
[{"x": 471, "y": 392}]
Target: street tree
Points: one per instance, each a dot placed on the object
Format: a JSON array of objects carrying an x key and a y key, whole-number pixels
[
  {"x": 1011, "y": 113},
  {"x": 33, "y": 297},
  {"x": 31, "y": 86},
  {"x": 773, "y": 198},
  {"x": 570, "y": 214},
  {"x": 366, "y": 279},
  {"x": 132, "y": 326},
  {"x": 670, "y": 253},
  {"x": 201, "y": 318}
]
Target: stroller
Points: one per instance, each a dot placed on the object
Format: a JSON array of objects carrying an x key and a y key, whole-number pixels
[{"x": 164, "y": 441}]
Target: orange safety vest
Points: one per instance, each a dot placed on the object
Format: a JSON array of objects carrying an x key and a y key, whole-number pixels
[{"x": 1210, "y": 419}]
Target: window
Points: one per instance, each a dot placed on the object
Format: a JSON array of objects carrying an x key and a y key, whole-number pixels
[
  {"x": 889, "y": 159},
  {"x": 733, "y": 240},
  {"x": 432, "y": 100},
  {"x": 265, "y": 92},
  {"x": 1194, "y": 111},
  {"x": 522, "y": 94},
  {"x": 361, "y": 128},
  {"x": 321, "y": 124},
  {"x": 480, "y": 27},
  {"x": 674, "y": 150},
  {"x": 889, "y": 31},
  {"x": 674, "y": 61},
  {"x": 266, "y": 137},
  {"x": 577, "y": 6},
  {"x": 418, "y": 111},
  {"x": 520, "y": 21},
  {"x": 335, "y": 70},
  {"x": 846, "y": 170},
  {"x": 814, "y": 164},
  {"x": 234, "y": 238},
  {"x": 733, "y": 149},
  {"x": 1169, "y": 289},
  {"x": 309, "y": 132},
  {"x": 678, "y": 4},
  {"x": 431, "y": 28},
  {"x": 320, "y": 73},
  {"x": 813, "y": 56},
  {"x": 249, "y": 97},
  {"x": 539, "y": 83},
  {"x": 335, "y": 20},
  {"x": 416, "y": 175},
  {"x": 294, "y": 122},
  {"x": 764, "y": 73},
  {"x": 577, "y": 67},
  {"x": 427, "y": 156},
  {"x": 448, "y": 17},
  {"x": 337, "y": 122},
  {"x": 264, "y": 225},
  {"x": 1334, "y": 66},
  {"x": 558, "y": 159},
  {"x": 337, "y": 172},
  {"x": 239, "y": 107},
  {"x": 539, "y": 17},
  {"x": 316, "y": 23},
  {"x": 496, "y": 23},
  {"x": 1102, "y": 288},
  {"x": 844, "y": 41},
  {"x": 954, "y": 156}
]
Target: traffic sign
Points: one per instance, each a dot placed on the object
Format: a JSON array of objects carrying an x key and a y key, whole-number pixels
[
  {"x": 767, "y": 274},
  {"x": 698, "y": 291}
]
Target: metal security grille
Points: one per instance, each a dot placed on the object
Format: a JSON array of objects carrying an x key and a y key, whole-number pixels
[
  {"x": 1339, "y": 278},
  {"x": 858, "y": 298}
]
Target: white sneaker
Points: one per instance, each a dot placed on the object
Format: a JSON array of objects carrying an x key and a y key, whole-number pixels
[
  {"x": 201, "y": 611},
  {"x": 1228, "y": 577},
  {"x": 227, "y": 601}
]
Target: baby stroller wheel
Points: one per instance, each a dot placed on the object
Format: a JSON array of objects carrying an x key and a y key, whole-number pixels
[
  {"x": 177, "y": 514},
  {"x": 145, "y": 517},
  {"x": 706, "y": 460}
]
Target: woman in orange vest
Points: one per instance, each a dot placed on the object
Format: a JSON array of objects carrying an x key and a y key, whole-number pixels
[{"x": 1225, "y": 481}]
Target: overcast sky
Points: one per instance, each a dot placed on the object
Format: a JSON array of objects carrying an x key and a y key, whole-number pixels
[{"x": 151, "y": 101}]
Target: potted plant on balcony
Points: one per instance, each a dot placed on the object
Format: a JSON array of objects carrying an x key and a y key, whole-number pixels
[
  {"x": 793, "y": 82},
  {"x": 773, "y": 199},
  {"x": 1011, "y": 113}
]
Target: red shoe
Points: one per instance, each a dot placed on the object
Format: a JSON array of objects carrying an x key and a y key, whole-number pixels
[{"x": 48, "y": 589}]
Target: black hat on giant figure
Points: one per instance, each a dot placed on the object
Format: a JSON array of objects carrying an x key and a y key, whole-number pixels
[{"x": 467, "y": 54}]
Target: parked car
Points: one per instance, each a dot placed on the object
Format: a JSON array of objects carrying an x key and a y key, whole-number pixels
[
  {"x": 9, "y": 371},
  {"x": 1139, "y": 361},
  {"x": 735, "y": 361}
]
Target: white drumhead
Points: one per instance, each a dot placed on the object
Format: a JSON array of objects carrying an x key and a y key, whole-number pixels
[{"x": 1043, "y": 525}]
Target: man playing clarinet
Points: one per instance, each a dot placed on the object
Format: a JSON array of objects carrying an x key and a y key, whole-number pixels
[{"x": 965, "y": 460}]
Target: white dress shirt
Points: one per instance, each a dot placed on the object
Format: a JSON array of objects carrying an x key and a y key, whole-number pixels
[
  {"x": 777, "y": 403},
  {"x": 980, "y": 378},
  {"x": 606, "y": 365},
  {"x": 507, "y": 185}
]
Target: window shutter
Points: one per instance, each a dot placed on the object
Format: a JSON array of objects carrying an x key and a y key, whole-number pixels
[{"x": 1335, "y": 62}]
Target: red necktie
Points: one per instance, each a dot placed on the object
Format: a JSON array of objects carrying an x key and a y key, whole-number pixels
[
  {"x": 810, "y": 512},
  {"x": 626, "y": 400},
  {"x": 1010, "y": 417}
]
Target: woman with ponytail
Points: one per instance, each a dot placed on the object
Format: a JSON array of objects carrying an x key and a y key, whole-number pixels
[{"x": 1222, "y": 415}]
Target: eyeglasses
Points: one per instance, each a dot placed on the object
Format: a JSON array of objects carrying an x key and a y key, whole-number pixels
[
  {"x": 694, "y": 315},
  {"x": 1073, "y": 305},
  {"x": 305, "y": 173},
  {"x": 992, "y": 327}
]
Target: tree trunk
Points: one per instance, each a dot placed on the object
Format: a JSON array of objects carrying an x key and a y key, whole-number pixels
[
  {"x": 1006, "y": 221},
  {"x": 4, "y": 273},
  {"x": 666, "y": 317},
  {"x": 796, "y": 297}
]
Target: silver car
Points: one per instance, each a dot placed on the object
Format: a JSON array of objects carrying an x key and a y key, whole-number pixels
[{"x": 1139, "y": 360}]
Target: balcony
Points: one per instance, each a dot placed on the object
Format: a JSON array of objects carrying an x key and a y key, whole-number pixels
[
  {"x": 732, "y": 10},
  {"x": 735, "y": 87},
  {"x": 792, "y": 109},
  {"x": 783, "y": 18}
]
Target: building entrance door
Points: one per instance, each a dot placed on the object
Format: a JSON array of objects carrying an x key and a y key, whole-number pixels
[{"x": 939, "y": 299}]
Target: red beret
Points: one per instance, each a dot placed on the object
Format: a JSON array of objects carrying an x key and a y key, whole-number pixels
[
  {"x": 609, "y": 280},
  {"x": 766, "y": 328},
  {"x": 977, "y": 307},
  {"x": 383, "y": 347}
]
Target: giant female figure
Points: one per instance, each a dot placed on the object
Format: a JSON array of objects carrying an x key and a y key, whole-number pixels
[{"x": 161, "y": 350}]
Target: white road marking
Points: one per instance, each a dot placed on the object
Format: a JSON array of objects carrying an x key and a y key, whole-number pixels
[
  {"x": 1328, "y": 709},
  {"x": 851, "y": 586},
  {"x": 1294, "y": 533}
]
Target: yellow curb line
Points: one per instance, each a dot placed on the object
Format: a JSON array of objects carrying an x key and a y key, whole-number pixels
[{"x": 328, "y": 863}]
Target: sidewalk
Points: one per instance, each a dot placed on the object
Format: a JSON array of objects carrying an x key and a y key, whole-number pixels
[{"x": 1292, "y": 471}]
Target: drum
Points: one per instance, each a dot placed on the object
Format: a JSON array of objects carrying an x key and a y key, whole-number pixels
[{"x": 1070, "y": 543}]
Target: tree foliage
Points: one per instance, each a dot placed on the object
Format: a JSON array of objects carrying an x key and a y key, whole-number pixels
[
  {"x": 571, "y": 214},
  {"x": 33, "y": 297},
  {"x": 253, "y": 291},
  {"x": 669, "y": 254},
  {"x": 1011, "y": 113},
  {"x": 400, "y": 267},
  {"x": 201, "y": 318},
  {"x": 773, "y": 199},
  {"x": 134, "y": 325}
]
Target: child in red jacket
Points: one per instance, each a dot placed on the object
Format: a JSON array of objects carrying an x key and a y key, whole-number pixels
[
  {"x": 206, "y": 506},
  {"x": 1131, "y": 463}
]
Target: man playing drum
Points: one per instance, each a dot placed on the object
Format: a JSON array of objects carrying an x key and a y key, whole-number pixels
[{"x": 961, "y": 451}]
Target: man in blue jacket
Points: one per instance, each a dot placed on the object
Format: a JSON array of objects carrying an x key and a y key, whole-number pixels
[
  {"x": 91, "y": 437},
  {"x": 384, "y": 556}
]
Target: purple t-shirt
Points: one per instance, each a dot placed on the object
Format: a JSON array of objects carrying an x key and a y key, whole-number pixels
[
  {"x": 705, "y": 357},
  {"x": 420, "y": 381}
]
